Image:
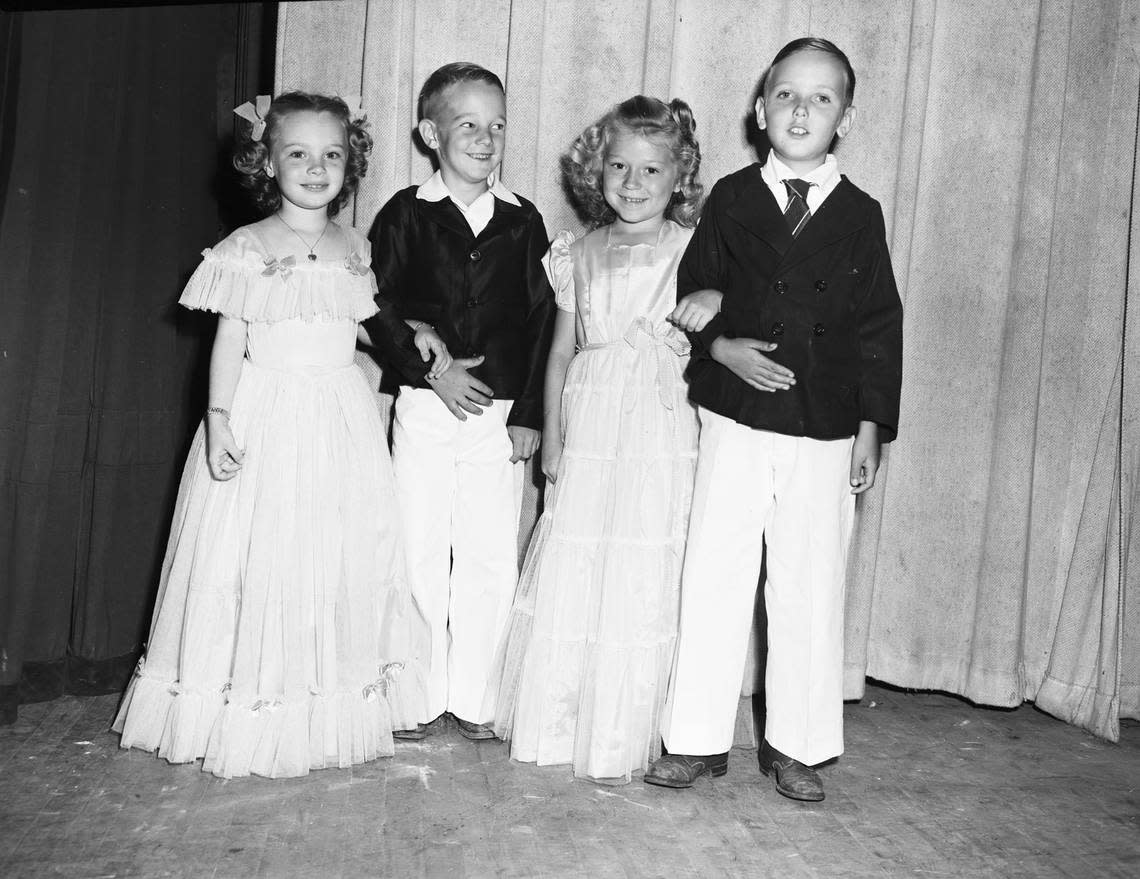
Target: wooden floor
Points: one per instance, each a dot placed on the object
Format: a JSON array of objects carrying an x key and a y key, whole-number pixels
[{"x": 930, "y": 786}]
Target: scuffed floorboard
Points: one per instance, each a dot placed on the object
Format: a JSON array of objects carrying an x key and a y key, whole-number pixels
[{"x": 930, "y": 786}]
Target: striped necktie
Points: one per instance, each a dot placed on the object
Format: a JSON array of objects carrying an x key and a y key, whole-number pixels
[{"x": 796, "y": 212}]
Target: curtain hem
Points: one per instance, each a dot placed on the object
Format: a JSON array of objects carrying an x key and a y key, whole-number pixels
[
  {"x": 69, "y": 676},
  {"x": 1086, "y": 707}
]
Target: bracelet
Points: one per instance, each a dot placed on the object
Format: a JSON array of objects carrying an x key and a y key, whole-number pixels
[
  {"x": 218, "y": 410},
  {"x": 424, "y": 325}
]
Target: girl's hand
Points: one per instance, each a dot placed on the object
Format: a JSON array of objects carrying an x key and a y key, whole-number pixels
[
  {"x": 695, "y": 311},
  {"x": 223, "y": 456},
  {"x": 430, "y": 344},
  {"x": 551, "y": 458}
]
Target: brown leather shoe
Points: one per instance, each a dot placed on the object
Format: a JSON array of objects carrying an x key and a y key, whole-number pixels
[
  {"x": 681, "y": 770},
  {"x": 420, "y": 731},
  {"x": 793, "y": 779},
  {"x": 476, "y": 732}
]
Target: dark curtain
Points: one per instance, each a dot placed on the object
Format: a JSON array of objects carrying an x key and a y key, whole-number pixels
[{"x": 114, "y": 124}]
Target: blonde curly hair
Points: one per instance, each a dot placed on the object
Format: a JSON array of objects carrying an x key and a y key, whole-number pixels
[{"x": 647, "y": 117}]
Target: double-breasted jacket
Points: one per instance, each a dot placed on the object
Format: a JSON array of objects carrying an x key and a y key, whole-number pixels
[{"x": 827, "y": 298}]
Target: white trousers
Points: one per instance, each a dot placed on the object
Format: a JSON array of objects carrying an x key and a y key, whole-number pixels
[
  {"x": 460, "y": 498},
  {"x": 795, "y": 493}
]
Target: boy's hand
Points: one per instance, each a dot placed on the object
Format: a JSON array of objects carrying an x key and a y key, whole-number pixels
[
  {"x": 524, "y": 442},
  {"x": 223, "y": 456},
  {"x": 431, "y": 345},
  {"x": 460, "y": 391},
  {"x": 744, "y": 358},
  {"x": 551, "y": 458},
  {"x": 695, "y": 311},
  {"x": 865, "y": 457}
]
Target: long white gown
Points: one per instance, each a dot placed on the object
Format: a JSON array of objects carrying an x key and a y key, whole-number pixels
[
  {"x": 585, "y": 666},
  {"x": 284, "y": 637}
]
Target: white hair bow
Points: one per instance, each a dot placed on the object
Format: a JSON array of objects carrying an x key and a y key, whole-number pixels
[
  {"x": 354, "y": 104},
  {"x": 255, "y": 114}
]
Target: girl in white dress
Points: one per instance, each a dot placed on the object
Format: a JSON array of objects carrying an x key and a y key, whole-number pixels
[
  {"x": 284, "y": 636},
  {"x": 584, "y": 669}
]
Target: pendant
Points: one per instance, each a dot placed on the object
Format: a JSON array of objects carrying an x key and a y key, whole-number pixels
[{"x": 312, "y": 257}]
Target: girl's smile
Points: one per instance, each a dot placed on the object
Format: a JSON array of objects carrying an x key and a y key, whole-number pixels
[
  {"x": 308, "y": 157},
  {"x": 639, "y": 177}
]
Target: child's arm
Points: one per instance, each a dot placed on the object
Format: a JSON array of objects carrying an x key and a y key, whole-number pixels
[
  {"x": 390, "y": 254},
  {"x": 391, "y": 239},
  {"x": 429, "y": 344},
  {"x": 223, "y": 456},
  {"x": 879, "y": 318},
  {"x": 524, "y": 423},
  {"x": 426, "y": 341},
  {"x": 694, "y": 311},
  {"x": 561, "y": 353},
  {"x": 702, "y": 268},
  {"x": 745, "y": 358},
  {"x": 407, "y": 352}
]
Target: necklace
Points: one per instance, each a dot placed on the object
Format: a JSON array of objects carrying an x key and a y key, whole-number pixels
[{"x": 312, "y": 254}]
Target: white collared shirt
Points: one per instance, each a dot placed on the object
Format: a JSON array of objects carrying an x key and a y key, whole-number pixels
[
  {"x": 477, "y": 214},
  {"x": 823, "y": 180}
]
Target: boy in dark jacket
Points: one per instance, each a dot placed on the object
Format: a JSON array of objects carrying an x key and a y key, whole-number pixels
[
  {"x": 463, "y": 253},
  {"x": 797, "y": 380}
]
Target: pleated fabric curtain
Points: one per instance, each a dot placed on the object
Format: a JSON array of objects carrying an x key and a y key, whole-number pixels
[
  {"x": 111, "y": 163},
  {"x": 992, "y": 560}
]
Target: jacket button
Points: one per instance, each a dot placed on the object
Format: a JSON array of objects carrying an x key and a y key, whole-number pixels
[
  {"x": 475, "y": 256},
  {"x": 471, "y": 303},
  {"x": 821, "y": 286},
  {"x": 819, "y": 329},
  {"x": 778, "y": 328},
  {"x": 781, "y": 286}
]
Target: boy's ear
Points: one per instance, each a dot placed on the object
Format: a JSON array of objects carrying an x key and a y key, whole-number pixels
[
  {"x": 846, "y": 122},
  {"x": 428, "y": 133},
  {"x": 761, "y": 123}
]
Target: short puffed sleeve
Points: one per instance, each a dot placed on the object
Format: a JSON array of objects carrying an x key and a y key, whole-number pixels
[{"x": 560, "y": 270}]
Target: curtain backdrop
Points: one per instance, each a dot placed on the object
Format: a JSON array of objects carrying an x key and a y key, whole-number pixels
[
  {"x": 991, "y": 559},
  {"x": 111, "y": 140}
]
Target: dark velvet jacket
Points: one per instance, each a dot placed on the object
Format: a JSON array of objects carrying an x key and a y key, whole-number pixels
[
  {"x": 827, "y": 299},
  {"x": 485, "y": 294}
]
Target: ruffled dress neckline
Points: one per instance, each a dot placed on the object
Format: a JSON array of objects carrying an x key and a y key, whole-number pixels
[{"x": 240, "y": 277}]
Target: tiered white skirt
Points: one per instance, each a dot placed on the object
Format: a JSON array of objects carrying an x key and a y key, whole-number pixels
[
  {"x": 284, "y": 637},
  {"x": 583, "y": 673}
]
